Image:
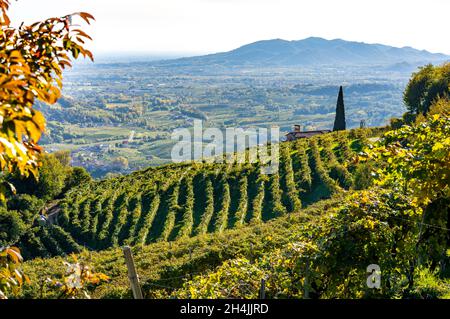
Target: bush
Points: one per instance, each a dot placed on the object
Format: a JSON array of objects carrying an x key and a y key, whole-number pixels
[
  {"x": 396, "y": 123},
  {"x": 77, "y": 176},
  {"x": 428, "y": 285},
  {"x": 363, "y": 176},
  {"x": 52, "y": 176},
  {"x": 11, "y": 227},
  {"x": 28, "y": 206},
  {"x": 426, "y": 86}
]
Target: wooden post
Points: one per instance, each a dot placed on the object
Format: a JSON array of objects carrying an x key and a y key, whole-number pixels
[
  {"x": 262, "y": 290},
  {"x": 132, "y": 273}
]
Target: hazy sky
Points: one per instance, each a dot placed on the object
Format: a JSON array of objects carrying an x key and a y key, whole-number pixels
[{"x": 200, "y": 26}]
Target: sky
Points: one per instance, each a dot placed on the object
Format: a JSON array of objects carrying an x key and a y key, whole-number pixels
[{"x": 189, "y": 27}]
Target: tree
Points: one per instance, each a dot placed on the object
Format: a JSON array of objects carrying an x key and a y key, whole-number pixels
[
  {"x": 52, "y": 178},
  {"x": 11, "y": 227},
  {"x": 11, "y": 277},
  {"x": 418, "y": 158},
  {"x": 426, "y": 86},
  {"x": 63, "y": 157},
  {"x": 27, "y": 205},
  {"x": 32, "y": 59},
  {"x": 339, "y": 121},
  {"x": 77, "y": 176}
]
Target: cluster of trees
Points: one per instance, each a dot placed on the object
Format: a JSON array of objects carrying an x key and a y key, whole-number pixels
[
  {"x": 426, "y": 86},
  {"x": 32, "y": 59},
  {"x": 427, "y": 92},
  {"x": 20, "y": 214}
]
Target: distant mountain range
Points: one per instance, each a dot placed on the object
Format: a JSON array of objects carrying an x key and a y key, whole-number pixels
[{"x": 311, "y": 52}]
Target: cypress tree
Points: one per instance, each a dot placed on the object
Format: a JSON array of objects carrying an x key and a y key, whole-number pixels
[{"x": 339, "y": 121}]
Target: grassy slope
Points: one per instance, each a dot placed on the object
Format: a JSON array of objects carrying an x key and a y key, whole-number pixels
[
  {"x": 113, "y": 212},
  {"x": 126, "y": 204},
  {"x": 163, "y": 266}
]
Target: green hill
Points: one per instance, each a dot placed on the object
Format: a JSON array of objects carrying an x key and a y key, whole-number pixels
[
  {"x": 323, "y": 250},
  {"x": 183, "y": 200},
  {"x": 163, "y": 267}
]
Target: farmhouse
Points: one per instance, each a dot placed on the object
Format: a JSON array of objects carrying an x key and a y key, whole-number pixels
[
  {"x": 297, "y": 133},
  {"x": 339, "y": 122}
]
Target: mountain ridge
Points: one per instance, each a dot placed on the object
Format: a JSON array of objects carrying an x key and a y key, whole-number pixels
[{"x": 311, "y": 51}]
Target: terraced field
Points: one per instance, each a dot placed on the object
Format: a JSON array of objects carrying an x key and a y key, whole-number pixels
[{"x": 177, "y": 201}]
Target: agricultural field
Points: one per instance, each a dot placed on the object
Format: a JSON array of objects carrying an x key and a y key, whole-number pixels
[
  {"x": 165, "y": 266},
  {"x": 178, "y": 201},
  {"x": 215, "y": 231},
  {"x": 107, "y": 103},
  {"x": 280, "y": 169}
]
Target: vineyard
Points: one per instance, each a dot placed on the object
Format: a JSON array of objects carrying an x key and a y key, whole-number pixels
[
  {"x": 348, "y": 214},
  {"x": 164, "y": 266},
  {"x": 177, "y": 201},
  {"x": 319, "y": 246}
]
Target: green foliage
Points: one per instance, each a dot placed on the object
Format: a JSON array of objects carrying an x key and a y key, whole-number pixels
[
  {"x": 337, "y": 170},
  {"x": 363, "y": 231},
  {"x": 51, "y": 182},
  {"x": 77, "y": 176},
  {"x": 339, "y": 122},
  {"x": 276, "y": 206},
  {"x": 396, "y": 123},
  {"x": 440, "y": 107},
  {"x": 209, "y": 209},
  {"x": 305, "y": 172},
  {"x": 429, "y": 285},
  {"x": 257, "y": 203},
  {"x": 11, "y": 227},
  {"x": 165, "y": 263},
  {"x": 174, "y": 208},
  {"x": 236, "y": 278},
  {"x": 426, "y": 86},
  {"x": 11, "y": 276},
  {"x": 242, "y": 205},
  {"x": 292, "y": 195},
  {"x": 326, "y": 259},
  {"x": 147, "y": 220},
  {"x": 383, "y": 226},
  {"x": 27, "y": 205},
  {"x": 222, "y": 216},
  {"x": 363, "y": 176},
  {"x": 319, "y": 168},
  {"x": 188, "y": 211},
  {"x": 418, "y": 159}
]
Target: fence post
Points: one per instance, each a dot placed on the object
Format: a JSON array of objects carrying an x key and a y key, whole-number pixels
[
  {"x": 262, "y": 290},
  {"x": 132, "y": 273}
]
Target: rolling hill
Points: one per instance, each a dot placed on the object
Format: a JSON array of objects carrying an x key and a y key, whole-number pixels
[
  {"x": 311, "y": 51},
  {"x": 343, "y": 225},
  {"x": 178, "y": 201}
]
